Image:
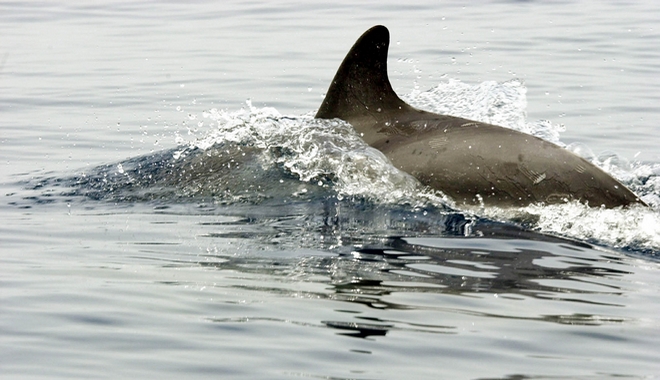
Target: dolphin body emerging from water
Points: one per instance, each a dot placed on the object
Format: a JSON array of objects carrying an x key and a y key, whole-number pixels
[{"x": 470, "y": 161}]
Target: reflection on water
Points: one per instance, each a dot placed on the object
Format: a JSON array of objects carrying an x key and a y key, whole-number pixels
[
  {"x": 377, "y": 270},
  {"x": 324, "y": 278}
]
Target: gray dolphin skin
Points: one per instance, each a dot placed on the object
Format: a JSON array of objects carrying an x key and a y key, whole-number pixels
[{"x": 472, "y": 162}]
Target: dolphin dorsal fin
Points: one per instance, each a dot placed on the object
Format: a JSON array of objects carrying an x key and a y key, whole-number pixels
[{"x": 361, "y": 87}]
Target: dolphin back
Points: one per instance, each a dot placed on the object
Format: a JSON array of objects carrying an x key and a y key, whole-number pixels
[{"x": 470, "y": 161}]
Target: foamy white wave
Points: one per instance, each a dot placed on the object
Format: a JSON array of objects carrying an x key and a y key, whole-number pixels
[
  {"x": 635, "y": 228},
  {"x": 646, "y": 182},
  {"x": 318, "y": 151}
]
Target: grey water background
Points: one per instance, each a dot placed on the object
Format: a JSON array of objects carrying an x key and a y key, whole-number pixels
[{"x": 94, "y": 289}]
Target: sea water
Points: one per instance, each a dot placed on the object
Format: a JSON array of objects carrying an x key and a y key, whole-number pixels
[{"x": 172, "y": 209}]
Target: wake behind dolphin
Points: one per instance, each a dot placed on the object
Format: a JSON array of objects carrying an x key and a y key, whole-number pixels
[{"x": 470, "y": 161}]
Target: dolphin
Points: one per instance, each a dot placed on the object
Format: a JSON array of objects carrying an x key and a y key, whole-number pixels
[{"x": 474, "y": 163}]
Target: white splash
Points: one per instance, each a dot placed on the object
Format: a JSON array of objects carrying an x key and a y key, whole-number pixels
[
  {"x": 637, "y": 227},
  {"x": 317, "y": 151}
]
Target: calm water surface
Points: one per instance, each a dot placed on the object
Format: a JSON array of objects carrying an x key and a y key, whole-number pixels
[{"x": 292, "y": 264}]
